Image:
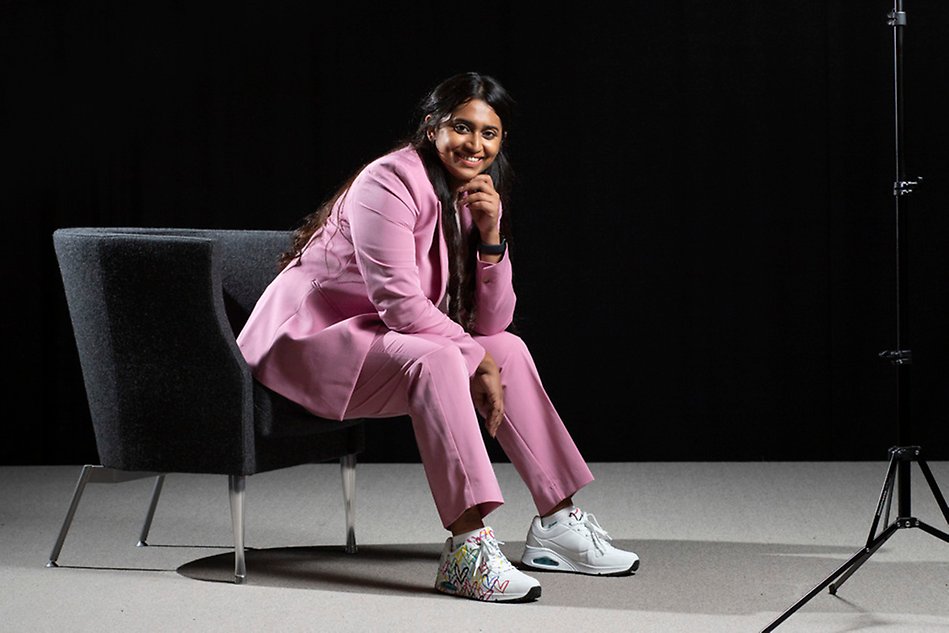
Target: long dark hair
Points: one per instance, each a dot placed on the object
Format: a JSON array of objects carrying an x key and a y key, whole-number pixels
[{"x": 433, "y": 109}]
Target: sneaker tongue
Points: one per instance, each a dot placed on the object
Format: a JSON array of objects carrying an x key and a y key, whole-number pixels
[
  {"x": 474, "y": 536},
  {"x": 484, "y": 534}
]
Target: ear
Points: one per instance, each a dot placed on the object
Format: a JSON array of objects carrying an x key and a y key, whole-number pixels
[{"x": 430, "y": 132}]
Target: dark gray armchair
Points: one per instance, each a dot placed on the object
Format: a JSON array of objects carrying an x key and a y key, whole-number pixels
[{"x": 155, "y": 313}]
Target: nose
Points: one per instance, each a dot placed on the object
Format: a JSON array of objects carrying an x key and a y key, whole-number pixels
[{"x": 473, "y": 143}]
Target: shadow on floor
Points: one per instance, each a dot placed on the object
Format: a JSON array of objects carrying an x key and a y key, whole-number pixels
[{"x": 676, "y": 576}]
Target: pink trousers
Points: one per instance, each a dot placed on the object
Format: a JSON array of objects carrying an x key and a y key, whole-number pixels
[{"x": 425, "y": 377}]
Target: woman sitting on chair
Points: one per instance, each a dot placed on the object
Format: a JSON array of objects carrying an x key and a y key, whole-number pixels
[{"x": 395, "y": 298}]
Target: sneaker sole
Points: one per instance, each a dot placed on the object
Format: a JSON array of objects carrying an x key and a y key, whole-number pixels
[
  {"x": 532, "y": 594},
  {"x": 548, "y": 560}
]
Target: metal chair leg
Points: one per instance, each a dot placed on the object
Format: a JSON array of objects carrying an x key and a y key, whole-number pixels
[
  {"x": 94, "y": 474},
  {"x": 76, "y": 496},
  {"x": 156, "y": 491},
  {"x": 235, "y": 484},
  {"x": 348, "y": 466}
]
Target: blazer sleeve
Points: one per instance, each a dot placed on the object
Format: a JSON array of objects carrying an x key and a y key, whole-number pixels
[
  {"x": 494, "y": 288},
  {"x": 494, "y": 296},
  {"x": 383, "y": 216}
]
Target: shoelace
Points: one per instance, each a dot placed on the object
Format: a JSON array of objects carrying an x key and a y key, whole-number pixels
[
  {"x": 598, "y": 535},
  {"x": 492, "y": 554}
]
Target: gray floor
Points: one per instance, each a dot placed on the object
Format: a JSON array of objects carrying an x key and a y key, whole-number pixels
[{"x": 725, "y": 547}]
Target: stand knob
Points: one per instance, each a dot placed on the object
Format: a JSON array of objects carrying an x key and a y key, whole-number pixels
[{"x": 903, "y": 187}]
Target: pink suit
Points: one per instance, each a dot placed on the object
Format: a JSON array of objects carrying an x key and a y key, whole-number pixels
[{"x": 353, "y": 329}]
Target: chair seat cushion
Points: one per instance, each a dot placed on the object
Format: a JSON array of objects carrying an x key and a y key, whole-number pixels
[{"x": 277, "y": 416}]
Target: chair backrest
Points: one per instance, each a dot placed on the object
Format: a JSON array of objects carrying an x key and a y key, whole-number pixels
[{"x": 154, "y": 313}]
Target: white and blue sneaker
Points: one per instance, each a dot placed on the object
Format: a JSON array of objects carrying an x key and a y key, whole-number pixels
[
  {"x": 477, "y": 569},
  {"x": 574, "y": 542}
]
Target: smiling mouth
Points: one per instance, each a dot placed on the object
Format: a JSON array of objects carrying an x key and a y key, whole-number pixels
[{"x": 470, "y": 160}]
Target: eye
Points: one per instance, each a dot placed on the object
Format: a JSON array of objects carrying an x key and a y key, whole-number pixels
[
  {"x": 460, "y": 128},
  {"x": 490, "y": 135}
]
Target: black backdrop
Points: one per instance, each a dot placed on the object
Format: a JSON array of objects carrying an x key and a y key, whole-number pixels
[{"x": 703, "y": 219}]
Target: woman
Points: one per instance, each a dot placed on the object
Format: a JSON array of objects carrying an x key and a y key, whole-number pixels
[{"x": 395, "y": 298}]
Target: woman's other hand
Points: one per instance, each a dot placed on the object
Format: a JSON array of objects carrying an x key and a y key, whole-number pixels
[{"x": 487, "y": 394}]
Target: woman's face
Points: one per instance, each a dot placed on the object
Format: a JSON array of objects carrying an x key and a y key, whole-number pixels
[{"x": 468, "y": 141}]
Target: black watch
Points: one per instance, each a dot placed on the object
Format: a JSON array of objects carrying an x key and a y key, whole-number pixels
[{"x": 493, "y": 249}]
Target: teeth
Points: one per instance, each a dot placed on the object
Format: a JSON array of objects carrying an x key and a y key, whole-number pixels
[{"x": 470, "y": 159}]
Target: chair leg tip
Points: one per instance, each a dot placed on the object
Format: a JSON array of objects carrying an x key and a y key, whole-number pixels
[{"x": 52, "y": 563}]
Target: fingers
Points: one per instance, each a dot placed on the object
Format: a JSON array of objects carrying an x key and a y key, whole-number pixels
[
  {"x": 488, "y": 394},
  {"x": 483, "y": 202},
  {"x": 492, "y": 421},
  {"x": 481, "y": 182},
  {"x": 493, "y": 416},
  {"x": 495, "y": 424},
  {"x": 491, "y": 411},
  {"x": 479, "y": 189}
]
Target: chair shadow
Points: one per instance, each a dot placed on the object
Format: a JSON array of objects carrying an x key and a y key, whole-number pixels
[{"x": 382, "y": 569}]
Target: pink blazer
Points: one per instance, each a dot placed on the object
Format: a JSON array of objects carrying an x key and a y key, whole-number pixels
[{"x": 379, "y": 264}]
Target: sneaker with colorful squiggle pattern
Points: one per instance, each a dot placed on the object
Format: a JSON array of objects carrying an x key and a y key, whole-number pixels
[{"x": 477, "y": 569}]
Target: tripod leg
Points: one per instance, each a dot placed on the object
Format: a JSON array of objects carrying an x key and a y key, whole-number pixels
[
  {"x": 931, "y": 530},
  {"x": 873, "y": 543},
  {"x": 886, "y": 496},
  {"x": 886, "y": 514},
  {"x": 862, "y": 554},
  {"x": 928, "y": 474}
]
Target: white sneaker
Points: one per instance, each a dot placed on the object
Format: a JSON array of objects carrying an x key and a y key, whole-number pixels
[
  {"x": 477, "y": 569},
  {"x": 577, "y": 545}
]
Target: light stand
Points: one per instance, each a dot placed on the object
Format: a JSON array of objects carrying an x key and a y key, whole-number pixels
[{"x": 902, "y": 455}]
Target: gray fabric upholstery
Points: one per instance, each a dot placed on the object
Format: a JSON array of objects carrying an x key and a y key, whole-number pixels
[{"x": 155, "y": 312}]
